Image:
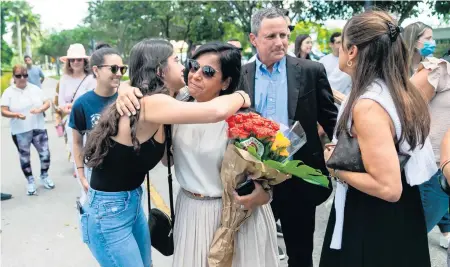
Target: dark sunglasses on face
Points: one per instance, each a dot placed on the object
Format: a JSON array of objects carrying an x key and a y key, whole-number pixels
[
  {"x": 207, "y": 71},
  {"x": 75, "y": 59},
  {"x": 20, "y": 76},
  {"x": 291, "y": 28},
  {"x": 115, "y": 68}
]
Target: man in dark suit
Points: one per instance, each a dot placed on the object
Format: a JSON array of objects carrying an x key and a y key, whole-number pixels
[{"x": 273, "y": 81}]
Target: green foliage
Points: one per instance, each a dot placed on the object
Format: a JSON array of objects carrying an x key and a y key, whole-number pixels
[
  {"x": 323, "y": 34},
  {"x": 6, "y": 51},
  {"x": 5, "y": 80},
  {"x": 56, "y": 44},
  {"x": 301, "y": 170},
  {"x": 30, "y": 23}
]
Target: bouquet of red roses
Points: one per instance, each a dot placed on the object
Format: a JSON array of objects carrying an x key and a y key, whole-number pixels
[{"x": 258, "y": 147}]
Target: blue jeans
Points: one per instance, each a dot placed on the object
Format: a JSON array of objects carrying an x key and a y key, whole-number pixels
[
  {"x": 435, "y": 204},
  {"x": 114, "y": 226}
]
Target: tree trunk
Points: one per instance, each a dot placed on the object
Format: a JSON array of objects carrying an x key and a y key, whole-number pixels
[
  {"x": 19, "y": 38},
  {"x": 28, "y": 46}
]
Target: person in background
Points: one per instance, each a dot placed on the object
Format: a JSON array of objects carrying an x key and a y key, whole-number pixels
[
  {"x": 418, "y": 38},
  {"x": 35, "y": 74},
  {"x": 107, "y": 67},
  {"x": 236, "y": 43},
  {"x": 432, "y": 76},
  {"x": 447, "y": 56},
  {"x": 303, "y": 46},
  {"x": 338, "y": 79},
  {"x": 24, "y": 103},
  {"x": 75, "y": 82}
]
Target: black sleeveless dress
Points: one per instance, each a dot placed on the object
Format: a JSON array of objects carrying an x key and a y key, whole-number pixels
[{"x": 378, "y": 233}]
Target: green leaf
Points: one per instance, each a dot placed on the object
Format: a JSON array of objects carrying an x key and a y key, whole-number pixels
[
  {"x": 252, "y": 151},
  {"x": 301, "y": 170}
]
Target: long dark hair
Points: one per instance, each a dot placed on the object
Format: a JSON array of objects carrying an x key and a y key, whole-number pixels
[
  {"x": 148, "y": 60},
  {"x": 98, "y": 57},
  {"x": 298, "y": 45},
  {"x": 382, "y": 57}
]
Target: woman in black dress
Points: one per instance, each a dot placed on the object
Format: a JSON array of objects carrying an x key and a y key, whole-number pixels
[{"x": 377, "y": 218}]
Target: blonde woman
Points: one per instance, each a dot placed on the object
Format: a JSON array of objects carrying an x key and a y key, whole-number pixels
[{"x": 74, "y": 83}]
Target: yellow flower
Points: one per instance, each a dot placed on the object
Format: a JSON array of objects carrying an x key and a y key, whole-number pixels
[
  {"x": 280, "y": 142},
  {"x": 284, "y": 153}
]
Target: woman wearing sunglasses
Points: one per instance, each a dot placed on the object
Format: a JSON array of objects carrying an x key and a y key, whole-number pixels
[
  {"x": 121, "y": 150},
  {"x": 25, "y": 104},
  {"x": 107, "y": 67},
  {"x": 76, "y": 81},
  {"x": 212, "y": 73}
]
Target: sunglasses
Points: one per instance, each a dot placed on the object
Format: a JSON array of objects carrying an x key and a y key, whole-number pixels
[
  {"x": 75, "y": 59},
  {"x": 207, "y": 71},
  {"x": 291, "y": 27},
  {"x": 20, "y": 76},
  {"x": 115, "y": 68}
]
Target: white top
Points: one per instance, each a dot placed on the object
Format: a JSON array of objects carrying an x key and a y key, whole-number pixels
[
  {"x": 439, "y": 78},
  {"x": 22, "y": 101},
  {"x": 339, "y": 80},
  {"x": 68, "y": 85},
  {"x": 198, "y": 151},
  {"x": 419, "y": 168}
]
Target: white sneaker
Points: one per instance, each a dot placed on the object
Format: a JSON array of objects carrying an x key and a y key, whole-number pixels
[
  {"x": 48, "y": 183},
  {"x": 444, "y": 240},
  {"x": 31, "y": 189}
]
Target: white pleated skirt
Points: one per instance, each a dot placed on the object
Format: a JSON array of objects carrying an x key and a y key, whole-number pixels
[{"x": 196, "y": 222}]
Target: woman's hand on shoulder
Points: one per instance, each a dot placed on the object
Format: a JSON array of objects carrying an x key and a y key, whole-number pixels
[{"x": 127, "y": 101}]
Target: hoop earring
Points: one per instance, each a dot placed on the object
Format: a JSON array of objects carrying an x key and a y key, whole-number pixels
[{"x": 349, "y": 63}]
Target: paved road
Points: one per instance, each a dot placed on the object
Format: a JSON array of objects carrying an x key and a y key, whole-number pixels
[{"x": 43, "y": 230}]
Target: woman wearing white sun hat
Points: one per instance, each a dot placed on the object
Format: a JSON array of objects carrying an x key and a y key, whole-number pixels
[{"x": 75, "y": 81}]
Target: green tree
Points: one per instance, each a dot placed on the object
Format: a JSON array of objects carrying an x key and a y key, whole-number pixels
[
  {"x": 6, "y": 51},
  {"x": 20, "y": 14}
]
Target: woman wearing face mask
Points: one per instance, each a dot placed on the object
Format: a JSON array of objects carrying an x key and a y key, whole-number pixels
[
  {"x": 419, "y": 41},
  {"x": 121, "y": 150},
  {"x": 432, "y": 76},
  {"x": 25, "y": 104},
  {"x": 303, "y": 46},
  {"x": 76, "y": 81},
  {"x": 108, "y": 68}
]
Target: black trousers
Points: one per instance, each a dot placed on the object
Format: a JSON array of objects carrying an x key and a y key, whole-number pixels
[{"x": 294, "y": 204}]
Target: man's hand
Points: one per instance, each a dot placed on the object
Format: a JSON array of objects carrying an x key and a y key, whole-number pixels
[
  {"x": 128, "y": 101},
  {"x": 257, "y": 198}
]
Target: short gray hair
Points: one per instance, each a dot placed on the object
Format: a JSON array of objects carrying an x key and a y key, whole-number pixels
[{"x": 260, "y": 15}]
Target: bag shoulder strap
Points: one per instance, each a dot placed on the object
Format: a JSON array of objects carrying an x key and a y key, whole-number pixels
[
  {"x": 168, "y": 135},
  {"x": 74, "y": 94}
]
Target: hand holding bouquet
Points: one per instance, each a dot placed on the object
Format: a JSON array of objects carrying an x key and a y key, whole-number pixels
[{"x": 258, "y": 147}]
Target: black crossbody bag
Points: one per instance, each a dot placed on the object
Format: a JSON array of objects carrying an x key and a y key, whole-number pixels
[{"x": 159, "y": 223}]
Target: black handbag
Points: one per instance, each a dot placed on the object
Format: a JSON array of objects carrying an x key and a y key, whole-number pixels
[
  {"x": 347, "y": 155},
  {"x": 159, "y": 223}
]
